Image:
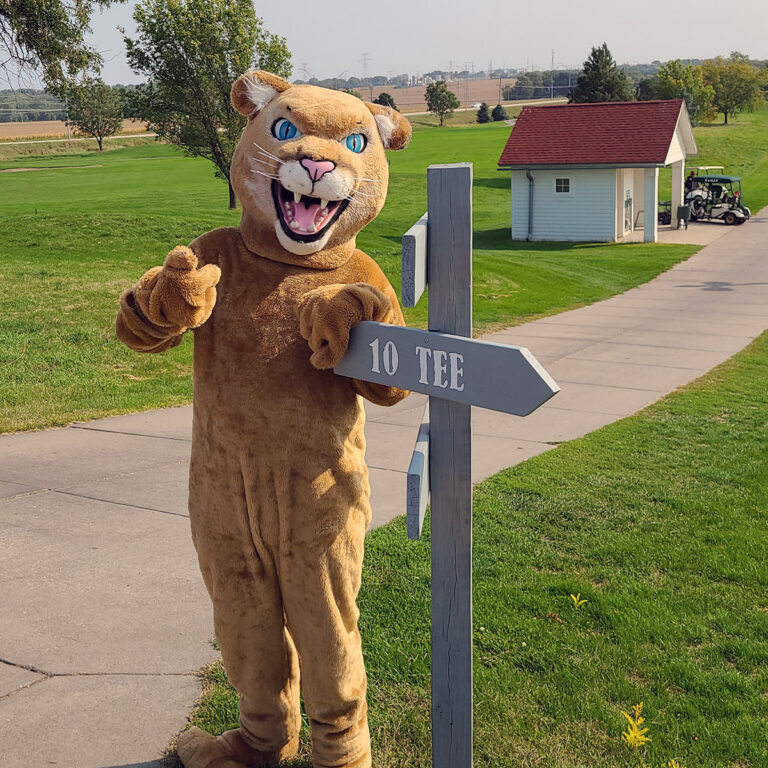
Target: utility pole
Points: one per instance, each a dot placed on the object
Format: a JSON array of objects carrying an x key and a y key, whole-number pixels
[
  {"x": 552, "y": 77},
  {"x": 466, "y": 81},
  {"x": 364, "y": 77},
  {"x": 305, "y": 70}
]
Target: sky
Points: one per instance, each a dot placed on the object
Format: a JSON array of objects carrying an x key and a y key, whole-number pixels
[{"x": 329, "y": 39}]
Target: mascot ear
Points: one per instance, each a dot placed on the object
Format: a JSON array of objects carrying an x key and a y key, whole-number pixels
[
  {"x": 252, "y": 91},
  {"x": 394, "y": 129}
]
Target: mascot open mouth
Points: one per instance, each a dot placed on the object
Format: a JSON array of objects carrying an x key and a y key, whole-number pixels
[{"x": 305, "y": 219}]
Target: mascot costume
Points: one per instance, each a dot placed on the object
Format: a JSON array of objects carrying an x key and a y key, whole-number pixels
[{"x": 278, "y": 490}]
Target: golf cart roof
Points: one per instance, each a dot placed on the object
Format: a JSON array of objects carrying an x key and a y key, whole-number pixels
[{"x": 719, "y": 179}]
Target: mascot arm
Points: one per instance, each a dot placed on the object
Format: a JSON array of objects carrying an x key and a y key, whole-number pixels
[
  {"x": 166, "y": 302},
  {"x": 381, "y": 394},
  {"x": 326, "y": 316}
]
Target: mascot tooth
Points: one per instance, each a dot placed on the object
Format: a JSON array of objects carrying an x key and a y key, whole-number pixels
[{"x": 278, "y": 488}]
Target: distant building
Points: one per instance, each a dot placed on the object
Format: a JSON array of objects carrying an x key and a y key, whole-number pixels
[{"x": 590, "y": 172}]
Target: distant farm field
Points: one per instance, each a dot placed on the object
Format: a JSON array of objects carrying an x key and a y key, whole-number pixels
[
  {"x": 43, "y": 129},
  {"x": 411, "y": 99}
]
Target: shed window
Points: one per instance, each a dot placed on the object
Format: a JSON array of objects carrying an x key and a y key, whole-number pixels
[{"x": 562, "y": 185}]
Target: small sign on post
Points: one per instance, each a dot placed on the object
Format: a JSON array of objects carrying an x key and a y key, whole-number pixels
[
  {"x": 413, "y": 275},
  {"x": 456, "y": 372},
  {"x": 417, "y": 493}
]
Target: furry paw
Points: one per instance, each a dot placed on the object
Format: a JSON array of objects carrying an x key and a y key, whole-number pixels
[
  {"x": 198, "y": 749},
  {"x": 178, "y": 295},
  {"x": 328, "y": 314}
]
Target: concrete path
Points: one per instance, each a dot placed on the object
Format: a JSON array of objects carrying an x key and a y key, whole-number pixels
[
  {"x": 103, "y": 616},
  {"x": 698, "y": 233}
]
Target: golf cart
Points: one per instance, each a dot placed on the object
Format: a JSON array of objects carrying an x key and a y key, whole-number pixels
[{"x": 714, "y": 196}]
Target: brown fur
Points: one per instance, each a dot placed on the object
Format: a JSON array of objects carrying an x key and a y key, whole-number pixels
[{"x": 279, "y": 493}]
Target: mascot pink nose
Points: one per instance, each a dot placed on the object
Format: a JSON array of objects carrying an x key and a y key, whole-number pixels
[{"x": 317, "y": 168}]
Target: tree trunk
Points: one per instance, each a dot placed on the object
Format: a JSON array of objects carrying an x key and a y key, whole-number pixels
[
  {"x": 725, "y": 115},
  {"x": 232, "y": 196},
  {"x": 100, "y": 140}
]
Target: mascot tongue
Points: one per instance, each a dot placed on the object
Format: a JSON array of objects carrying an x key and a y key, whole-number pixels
[{"x": 306, "y": 215}]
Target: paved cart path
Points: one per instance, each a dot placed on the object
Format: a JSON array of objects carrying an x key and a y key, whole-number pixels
[{"x": 103, "y": 616}]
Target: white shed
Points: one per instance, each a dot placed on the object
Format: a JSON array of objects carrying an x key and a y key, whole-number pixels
[{"x": 590, "y": 172}]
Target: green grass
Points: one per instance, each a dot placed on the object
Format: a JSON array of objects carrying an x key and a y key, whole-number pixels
[
  {"x": 743, "y": 152},
  {"x": 74, "y": 237},
  {"x": 660, "y": 521},
  {"x": 742, "y": 147}
]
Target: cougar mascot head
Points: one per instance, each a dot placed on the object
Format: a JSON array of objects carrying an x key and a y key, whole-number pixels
[
  {"x": 279, "y": 492},
  {"x": 310, "y": 169}
]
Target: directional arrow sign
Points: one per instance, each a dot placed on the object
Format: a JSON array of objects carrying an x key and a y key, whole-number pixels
[
  {"x": 494, "y": 376},
  {"x": 417, "y": 482},
  {"x": 413, "y": 275}
]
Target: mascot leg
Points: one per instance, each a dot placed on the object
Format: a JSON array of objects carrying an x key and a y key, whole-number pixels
[
  {"x": 320, "y": 578},
  {"x": 258, "y": 653}
]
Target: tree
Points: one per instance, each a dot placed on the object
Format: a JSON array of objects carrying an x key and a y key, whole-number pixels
[
  {"x": 440, "y": 101},
  {"x": 644, "y": 89},
  {"x": 601, "y": 80},
  {"x": 48, "y": 36},
  {"x": 95, "y": 109},
  {"x": 353, "y": 92},
  {"x": 499, "y": 113},
  {"x": 737, "y": 85},
  {"x": 482, "y": 114},
  {"x": 191, "y": 51},
  {"x": 676, "y": 80},
  {"x": 522, "y": 89},
  {"x": 385, "y": 100}
]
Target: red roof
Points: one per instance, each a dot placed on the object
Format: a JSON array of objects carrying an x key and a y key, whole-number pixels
[{"x": 610, "y": 133}]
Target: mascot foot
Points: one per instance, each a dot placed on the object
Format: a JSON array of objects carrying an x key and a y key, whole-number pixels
[{"x": 198, "y": 749}]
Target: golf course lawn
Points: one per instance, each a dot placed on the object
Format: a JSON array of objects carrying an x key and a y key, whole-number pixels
[
  {"x": 660, "y": 523},
  {"x": 743, "y": 152},
  {"x": 74, "y": 237},
  {"x": 86, "y": 225}
]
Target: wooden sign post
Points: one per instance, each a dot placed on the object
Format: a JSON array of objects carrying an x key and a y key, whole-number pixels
[{"x": 456, "y": 372}]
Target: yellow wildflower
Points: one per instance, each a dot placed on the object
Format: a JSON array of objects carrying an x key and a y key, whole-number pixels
[
  {"x": 577, "y": 601},
  {"x": 635, "y": 736}
]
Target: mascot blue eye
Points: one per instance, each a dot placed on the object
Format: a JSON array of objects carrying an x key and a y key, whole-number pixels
[
  {"x": 355, "y": 142},
  {"x": 284, "y": 129}
]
